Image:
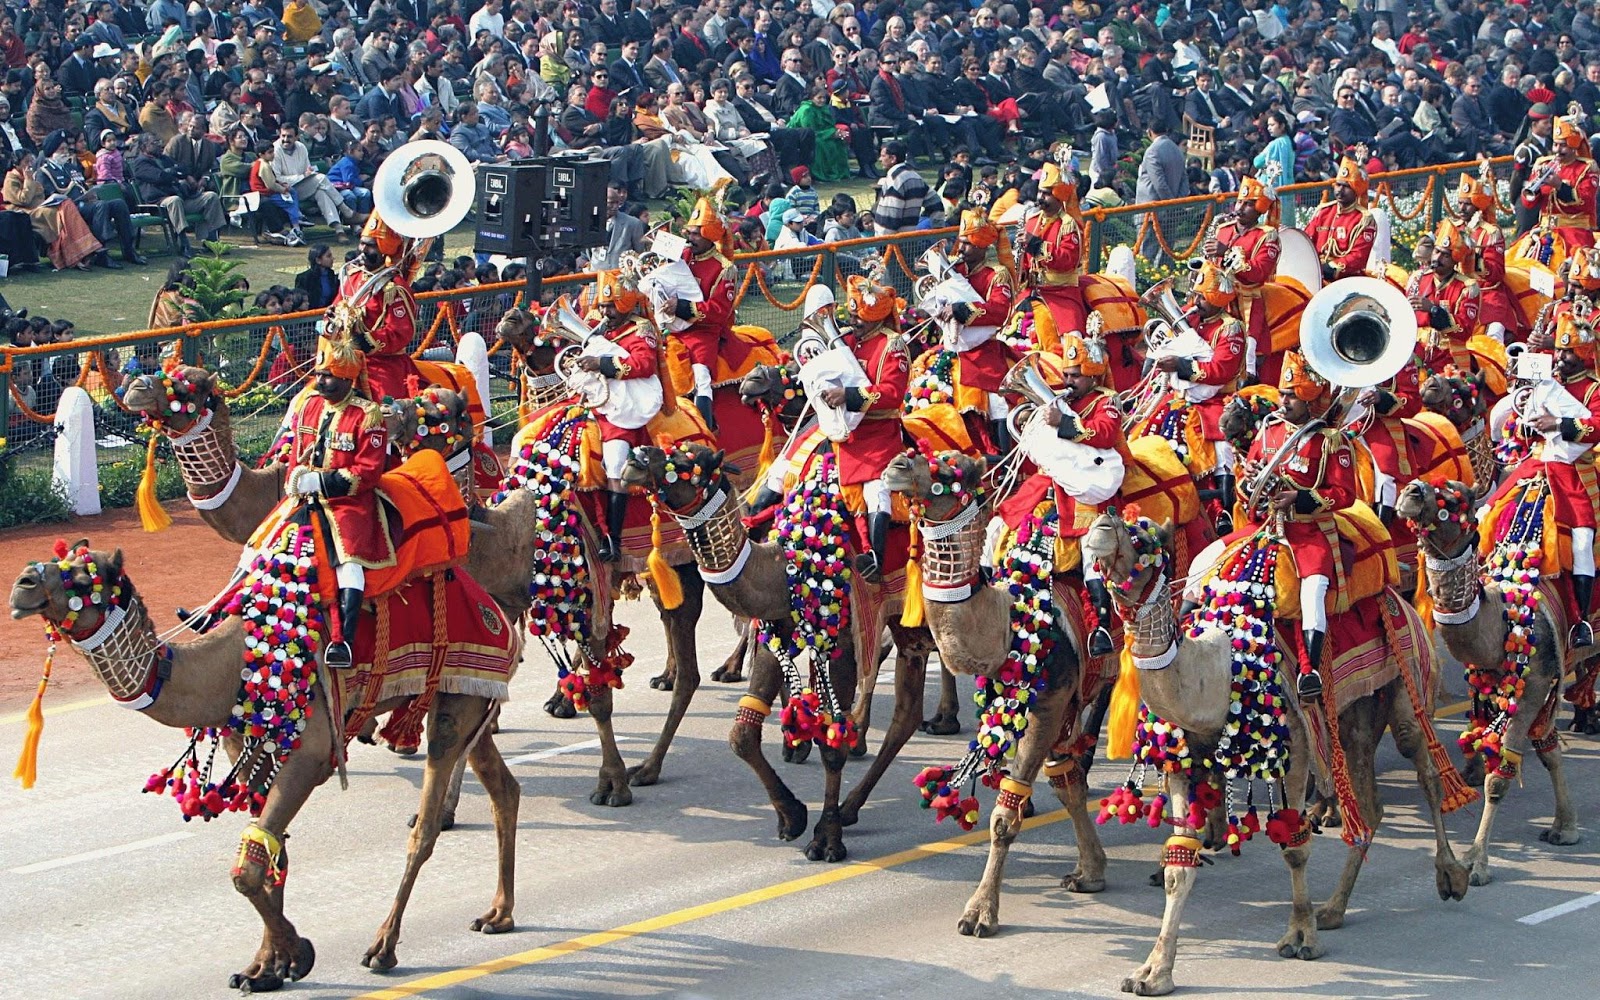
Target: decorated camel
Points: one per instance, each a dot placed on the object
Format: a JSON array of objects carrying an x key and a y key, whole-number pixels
[
  {"x": 1476, "y": 605},
  {"x": 1197, "y": 729},
  {"x": 751, "y": 579},
  {"x": 282, "y": 737}
]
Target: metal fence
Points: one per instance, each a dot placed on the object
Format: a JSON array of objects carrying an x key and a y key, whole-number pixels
[{"x": 248, "y": 353}]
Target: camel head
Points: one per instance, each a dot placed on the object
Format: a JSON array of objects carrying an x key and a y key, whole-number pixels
[
  {"x": 776, "y": 387},
  {"x": 1129, "y": 550},
  {"x": 1442, "y": 515},
  {"x": 173, "y": 400},
  {"x": 73, "y": 591},
  {"x": 523, "y": 331},
  {"x": 683, "y": 478},
  {"x": 943, "y": 482},
  {"x": 433, "y": 420},
  {"x": 1243, "y": 415},
  {"x": 1461, "y": 399}
]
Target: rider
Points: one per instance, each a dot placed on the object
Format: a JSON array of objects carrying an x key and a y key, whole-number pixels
[
  {"x": 376, "y": 308},
  {"x": 1313, "y": 479},
  {"x": 985, "y": 359},
  {"x": 621, "y": 306},
  {"x": 1559, "y": 460},
  {"x": 1191, "y": 408},
  {"x": 1052, "y": 253},
  {"x": 1446, "y": 301},
  {"x": 1343, "y": 230},
  {"x": 710, "y": 329},
  {"x": 883, "y": 355},
  {"x": 1562, "y": 189},
  {"x": 1476, "y": 207},
  {"x": 1092, "y": 418},
  {"x": 1253, "y": 231},
  {"x": 337, "y": 453}
]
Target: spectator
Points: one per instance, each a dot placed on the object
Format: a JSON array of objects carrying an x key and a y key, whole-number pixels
[
  {"x": 472, "y": 137},
  {"x": 901, "y": 192},
  {"x": 1162, "y": 177},
  {"x": 56, "y": 220},
  {"x": 275, "y": 194},
  {"x": 178, "y": 190},
  {"x": 319, "y": 282},
  {"x": 292, "y": 166}
]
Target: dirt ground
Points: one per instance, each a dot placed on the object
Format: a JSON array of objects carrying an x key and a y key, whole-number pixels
[{"x": 185, "y": 564}]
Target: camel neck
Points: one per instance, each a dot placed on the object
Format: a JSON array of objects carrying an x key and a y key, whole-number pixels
[
  {"x": 1152, "y": 623},
  {"x": 124, "y": 654},
  {"x": 206, "y": 456}
]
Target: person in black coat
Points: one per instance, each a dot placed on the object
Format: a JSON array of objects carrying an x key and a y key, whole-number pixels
[
  {"x": 794, "y": 146},
  {"x": 319, "y": 281},
  {"x": 939, "y": 93},
  {"x": 793, "y": 89},
  {"x": 79, "y": 73}
]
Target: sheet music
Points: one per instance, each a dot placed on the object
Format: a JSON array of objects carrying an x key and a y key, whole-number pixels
[{"x": 671, "y": 246}]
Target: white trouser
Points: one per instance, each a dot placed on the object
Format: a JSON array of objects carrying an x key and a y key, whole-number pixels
[
  {"x": 351, "y": 576},
  {"x": 998, "y": 407},
  {"x": 702, "y": 380},
  {"x": 1224, "y": 458},
  {"x": 614, "y": 457},
  {"x": 991, "y": 541},
  {"x": 876, "y": 495},
  {"x": 1200, "y": 567},
  {"x": 1583, "y": 552},
  {"x": 1386, "y": 487},
  {"x": 1313, "y": 603}
]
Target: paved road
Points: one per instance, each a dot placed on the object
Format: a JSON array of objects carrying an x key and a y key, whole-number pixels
[{"x": 106, "y": 893}]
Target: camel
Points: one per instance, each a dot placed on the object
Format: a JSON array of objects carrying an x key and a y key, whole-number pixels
[
  {"x": 203, "y": 688},
  {"x": 974, "y": 637},
  {"x": 1469, "y": 615},
  {"x": 1193, "y": 692},
  {"x": 758, "y": 589},
  {"x": 1465, "y": 402}
]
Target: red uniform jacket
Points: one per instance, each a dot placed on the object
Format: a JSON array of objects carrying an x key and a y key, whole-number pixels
[
  {"x": 1324, "y": 472},
  {"x": 711, "y": 327},
  {"x": 1260, "y": 247},
  {"x": 1386, "y": 436},
  {"x": 1343, "y": 238},
  {"x": 1577, "y": 210},
  {"x": 1459, "y": 298},
  {"x": 386, "y": 326},
  {"x": 638, "y": 338},
  {"x": 1226, "y": 335},
  {"x": 877, "y": 439},
  {"x": 1060, "y": 260},
  {"x": 1497, "y": 302},
  {"x": 1574, "y": 505},
  {"x": 984, "y": 366},
  {"x": 1101, "y": 421},
  {"x": 348, "y": 438}
]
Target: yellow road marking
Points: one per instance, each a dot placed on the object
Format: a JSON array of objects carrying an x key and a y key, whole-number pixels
[
  {"x": 50, "y": 710},
  {"x": 1445, "y": 711},
  {"x": 690, "y": 914}
]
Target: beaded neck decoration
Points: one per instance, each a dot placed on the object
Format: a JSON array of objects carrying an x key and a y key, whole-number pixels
[
  {"x": 814, "y": 532},
  {"x": 1452, "y": 505},
  {"x": 433, "y": 424},
  {"x": 699, "y": 472},
  {"x": 1003, "y": 701},
  {"x": 84, "y": 583},
  {"x": 932, "y": 384},
  {"x": 1514, "y": 567}
]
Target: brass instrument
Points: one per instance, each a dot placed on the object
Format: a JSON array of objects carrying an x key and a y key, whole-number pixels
[
  {"x": 563, "y": 321},
  {"x": 1092, "y": 475},
  {"x": 938, "y": 267},
  {"x": 1168, "y": 320},
  {"x": 1218, "y": 220},
  {"x": 424, "y": 189}
]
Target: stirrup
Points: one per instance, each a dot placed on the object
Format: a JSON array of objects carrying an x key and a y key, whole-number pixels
[
  {"x": 1581, "y": 636},
  {"x": 1309, "y": 685},
  {"x": 1100, "y": 641},
  {"x": 867, "y": 566},
  {"x": 338, "y": 655},
  {"x": 608, "y": 550},
  {"x": 1224, "y": 524}
]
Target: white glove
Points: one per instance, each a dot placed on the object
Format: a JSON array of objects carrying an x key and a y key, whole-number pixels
[{"x": 305, "y": 482}]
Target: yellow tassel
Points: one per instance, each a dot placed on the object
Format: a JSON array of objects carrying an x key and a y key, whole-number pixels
[
  {"x": 1124, "y": 715},
  {"x": 27, "y": 770},
  {"x": 668, "y": 588},
  {"x": 151, "y": 514},
  {"x": 911, "y": 613},
  {"x": 1045, "y": 335}
]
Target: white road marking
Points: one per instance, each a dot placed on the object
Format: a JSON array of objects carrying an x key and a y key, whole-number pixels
[
  {"x": 529, "y": 758},
  {"x": 1560, "y": 909},
  {"x": 104, "y": 852}
]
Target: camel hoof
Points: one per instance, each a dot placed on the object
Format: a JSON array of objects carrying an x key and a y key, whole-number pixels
[
  {"x": 942, "y": 725},
  {"x": 1451, "y": 880},
  {"x": 831, "y": 850},
  {"x": 379, "y": 961},
  {"x": 1148, "y": 986},
  {"x": 1480, "y": 876},
  {"x": 1079, "y": 882},
  {"x": 661, "y": 682},
  {"x": 642, "y": 775},
  {"x": 1295, "y": 944},
  {"x": 614, "y": 798},
  {"x": 978, "y": 924},
  {"x": 728, "y": 675},
  {"x": 447, "y": 821},
  {"x": 792, "y": 819},
  {"x": 493, "y": 922},
  {"x": 1329, "y": 920},
  {"x": 796, "y": 754},
  {"x": 305, "y": 956},
  {"x": 1558, "y": 837},
  {"x": 859, "y": 748},
  {"x": 246, "y": 985},
  {"x": 560, "y": 707}
]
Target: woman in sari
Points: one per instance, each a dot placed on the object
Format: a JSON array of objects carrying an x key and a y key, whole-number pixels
[
  {"x": 70, "y": 242},
  {"x": 832, "y": 162},
  {"x": 300, "y": 21}
]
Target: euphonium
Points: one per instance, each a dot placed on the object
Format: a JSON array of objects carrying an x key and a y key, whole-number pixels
[
  {"x": 563, "y": 321},
  {"x": 1024, "y": 379}
]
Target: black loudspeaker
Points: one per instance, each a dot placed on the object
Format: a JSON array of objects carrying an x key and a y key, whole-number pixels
[
  {"x": 576, "y": 190},
  {"x": 510, "y": 207}
]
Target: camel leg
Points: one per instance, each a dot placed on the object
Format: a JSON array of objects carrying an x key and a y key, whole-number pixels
[
  {"x": 284, "y": 954},
  {"x": 1450, "y": 875},
  {"x": 452, "y": 723},
  {"x": 1154, "y": 977},
  {"x": 866, "y": 685},
  {"x": 452, "y": 795},
  {"x": 732, "y": 669},
  {"x": 1301, "y": 939},
  {"x": 910, "y": 675},
  {"x": 1495, "y": 784},
  {"x": 680, "y": 625},
  {"x": 827, "y": 840},
  {"x": 505, "y": 795},
  {"x": 1073, "y": 790},
  {"x": 745, "y": 741},
  {"x": 1360, "y": 731},
  {"x": 1563, "y": 830},
  {"x": 946, "y": 719},
  {"x": 982, "y": 915},
  {"x": 612, "y": 788}
]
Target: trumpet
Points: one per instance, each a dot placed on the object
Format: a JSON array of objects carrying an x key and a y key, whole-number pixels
[
  {"x": 564, "y": 321},
  {"x": 1210, "y": 249}
]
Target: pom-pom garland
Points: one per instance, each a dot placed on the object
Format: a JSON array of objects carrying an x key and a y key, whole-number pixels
[{"x": 934, "y": 385}]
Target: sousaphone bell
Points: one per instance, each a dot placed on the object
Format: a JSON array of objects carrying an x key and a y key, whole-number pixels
[{"x": 424, "y": 189}]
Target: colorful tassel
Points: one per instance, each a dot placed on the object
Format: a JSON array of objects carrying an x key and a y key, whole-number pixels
[
  {"x": 1124, "y": 712},
  {"x": 668, "y": 586},
  {"x": 151, "y": 514},
  {"x": 912, "y": 610},
  {"x": 27, "y": 770}
]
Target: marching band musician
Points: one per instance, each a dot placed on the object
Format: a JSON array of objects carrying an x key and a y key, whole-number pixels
[
  {"x": 984, "y": 359},
  {"x": 1313, "y": 481},
  {"x": 883, "y": 355},
  {"x": 1192, "y": 405},
  {"x": 376, "y": 309},
  {"x": 1093, "y": 419},
  {"x": 1446, "y": 301},
  {"x": 1582, "y": 273},
  {"x": 1343, "y": 230},
  {"x": 621, "y": 306},
  {"x": 710, "y": 329},
  {"x": 1253, "y": 231},
  {"x": 1558, "y": 461},
  {"x": 1385, "y": 436},
  {"x": 1562, "y": 189},
  {"x": 1476, "y": 207},
  {"x": 337, "y": 453},
  {"x": 1052, "y": 251}
]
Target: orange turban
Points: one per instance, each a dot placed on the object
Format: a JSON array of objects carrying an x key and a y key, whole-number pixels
[
  {"x": 977, "y": 229},
  {"x": 1351, "y": 172},
  {"x": 1299, "y": 378},
  {"x": 611, "y": 288},
  {"x": 1213, "y": 283},
  {"x": 339, "y": 358},
  {"x": 1450, "y": 238},
  {"x": 1569, "y": 131},
  {"x": 1575, "y": 335},
  {"x": 1472, "y": 191},
  {"x": 1087, "y": 354},
  {"x": 1584, "y": 267},
  {"x": 390, "y": 243},
  {"x": 1053, "y": 183},
  {"x": 871, "y": 301}
]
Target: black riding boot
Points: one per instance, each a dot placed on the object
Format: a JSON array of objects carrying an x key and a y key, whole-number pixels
[
  {"x": 1226, "y": 494},
  {"x": 1002, "y": 436},
  {"x": 766, "y": 498},
  {"x": 1100, "y": 638},
  {"x": 1582, "y": 633},
  {"x": 1385, "y": 514},
  {"x": 1309, "y": 685},
  {"x": 340, "y": 654},
  {"x": 870, "y": 564},
  {"x": 703, "y": 404},
  {"x": 616, "y": 515}
]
